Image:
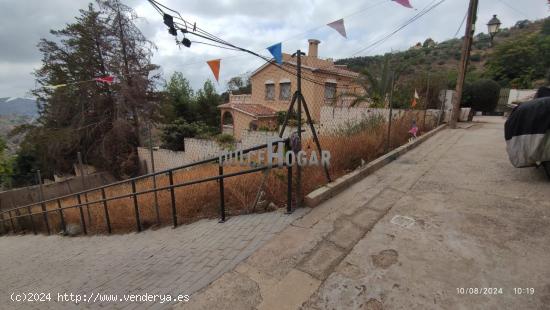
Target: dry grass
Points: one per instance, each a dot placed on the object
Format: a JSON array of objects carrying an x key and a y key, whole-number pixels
[{"x": 203, "y": 200}]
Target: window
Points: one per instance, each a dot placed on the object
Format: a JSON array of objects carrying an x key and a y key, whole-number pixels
[
  {"x": 269, "y": 91},
  {"x": 284, "y": 91},
  {"x": 330, "y": 91}
]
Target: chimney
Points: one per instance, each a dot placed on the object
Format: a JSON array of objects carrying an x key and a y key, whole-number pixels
[{"x": 313, "y": 48}]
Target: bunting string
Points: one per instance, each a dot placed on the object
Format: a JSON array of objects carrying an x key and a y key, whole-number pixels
[{"x": 105, "y": 79}]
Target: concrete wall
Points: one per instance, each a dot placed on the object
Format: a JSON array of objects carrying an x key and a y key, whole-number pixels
[
  {"x": 27, "y": 195},
  {"x": 520, "y": 95},
  {"x": 195, "y": 150},
  {"x": 335, "y": 118}
]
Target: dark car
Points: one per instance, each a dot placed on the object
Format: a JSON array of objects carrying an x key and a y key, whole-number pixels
[{"x": 527, "y": 132}]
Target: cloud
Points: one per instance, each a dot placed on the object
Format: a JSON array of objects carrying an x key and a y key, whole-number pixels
[{"x": 249, "y": 23}]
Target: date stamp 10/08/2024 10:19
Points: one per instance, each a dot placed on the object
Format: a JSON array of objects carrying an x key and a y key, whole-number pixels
[{"x": 494, "y": 291}]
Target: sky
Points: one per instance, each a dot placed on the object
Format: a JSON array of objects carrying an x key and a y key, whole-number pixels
[{"x": 251, "y": 24}]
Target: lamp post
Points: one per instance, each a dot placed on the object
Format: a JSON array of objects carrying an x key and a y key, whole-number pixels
[{"x": 493, "y": 25}]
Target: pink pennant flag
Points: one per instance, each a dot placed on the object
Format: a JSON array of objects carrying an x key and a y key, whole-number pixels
[
  {"x": 404, "y": 3},
  {"x": 106, "y": 79},
  {"x": 339, "y": 26}
]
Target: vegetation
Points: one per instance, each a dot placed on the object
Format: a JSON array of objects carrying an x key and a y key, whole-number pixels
[
  {"x": 5, "y": 165},
  {"x": 520, "y": 58},
  {"x": 101, "y": 121},
  {"x": 197, "y": 201},
  {"x": 188, "y": 114},
  {"x": 481, "y": 95},
  {"x": 521, "y": 62}
]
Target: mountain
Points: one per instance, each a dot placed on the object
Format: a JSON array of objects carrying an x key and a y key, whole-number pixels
[
  {"x": 14, "y": 112},
  {"x": 18, "y": 106}
]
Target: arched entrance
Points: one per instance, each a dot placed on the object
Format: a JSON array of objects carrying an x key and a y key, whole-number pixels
[{"x": 227, "y": 123}]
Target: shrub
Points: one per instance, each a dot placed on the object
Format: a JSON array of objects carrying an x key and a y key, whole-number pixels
[
  {"x": 481, "y": 95},
  {"x": 226, "y": 141},
  {"x": 174, "y": 133}
]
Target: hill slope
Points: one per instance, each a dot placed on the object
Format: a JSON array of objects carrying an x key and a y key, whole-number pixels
[{"x": 442, "y": 58}]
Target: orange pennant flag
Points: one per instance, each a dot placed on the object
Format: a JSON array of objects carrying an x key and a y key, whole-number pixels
[
  {"x": 413, "y": 103},
  {"x": 215, "y": 67}
]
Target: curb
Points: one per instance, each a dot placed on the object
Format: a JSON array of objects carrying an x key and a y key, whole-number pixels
[{"x": 332, "y": 189}]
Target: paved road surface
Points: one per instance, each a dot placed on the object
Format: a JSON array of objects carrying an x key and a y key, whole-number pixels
[
  {"x": 450, "y": 215},
  {"x": 166, "y": 261}
]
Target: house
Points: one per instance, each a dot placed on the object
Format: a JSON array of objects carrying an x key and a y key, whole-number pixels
[{"x": 323, "y": 83}]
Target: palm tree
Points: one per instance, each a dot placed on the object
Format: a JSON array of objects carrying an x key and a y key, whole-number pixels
[{"x": 376, "y": 88}]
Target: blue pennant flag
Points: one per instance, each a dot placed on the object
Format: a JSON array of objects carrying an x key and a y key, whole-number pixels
[{"x": 276, "y": 51}]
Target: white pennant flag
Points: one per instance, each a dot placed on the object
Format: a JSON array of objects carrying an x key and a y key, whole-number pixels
[{"x": 339, "y": 26}]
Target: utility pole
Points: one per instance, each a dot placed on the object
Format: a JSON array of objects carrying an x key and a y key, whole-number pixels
[
  {"x": 299, "y": 115},
  {"x": 466, "y": 48},
  {"x": 426, "y": 104}
]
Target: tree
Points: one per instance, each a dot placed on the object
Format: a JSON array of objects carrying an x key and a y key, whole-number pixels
[
  {"x": 101, "y": 121},
  {"x": 239, "y": 85},
  {"x": 519, "y": 62},
  {"x": 207, "y": 102},
  {"x": 481, "y": 95},
  {"x": 545, "y": 30},
  {"x": 189, "y": 114},
  {"x": 178, "y": 100}
]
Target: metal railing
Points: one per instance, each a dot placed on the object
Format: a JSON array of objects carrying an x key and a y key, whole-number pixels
[{"x": 8, "y": 218}]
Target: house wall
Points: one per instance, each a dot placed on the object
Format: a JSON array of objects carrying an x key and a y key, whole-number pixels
[{"x": 313, "y": 92}]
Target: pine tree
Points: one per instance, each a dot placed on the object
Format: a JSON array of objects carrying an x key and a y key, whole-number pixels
[{"x": 102, "y": 121}]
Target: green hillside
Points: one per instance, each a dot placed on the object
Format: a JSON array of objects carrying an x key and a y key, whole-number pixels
[{"x": 519, "y": 58}]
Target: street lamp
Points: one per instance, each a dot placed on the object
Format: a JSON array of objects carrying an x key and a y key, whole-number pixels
[{"x": 493, "y": 25}]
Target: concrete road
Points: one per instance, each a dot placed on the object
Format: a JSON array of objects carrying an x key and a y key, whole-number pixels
[
  {"x": 449, "y": 225},
  {"x": 163, "y": 262}
]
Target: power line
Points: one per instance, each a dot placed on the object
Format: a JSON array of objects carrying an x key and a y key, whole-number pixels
[
  {"x": 423, "y": 12},
  {"x": 513, "y": 8},
  {"x": 462, "y": 23},
  {"x": 299, "y": 34}
]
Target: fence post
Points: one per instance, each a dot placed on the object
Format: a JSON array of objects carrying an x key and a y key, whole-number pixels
[
  {"x": 4, "y": 230},
  {"x": 173, "y": 198},
  {"x": 107, "y": 220},
  {"x": 12, "y": 223},
  {"x": 136, "y": 208},
  {"x": 82, "y": 220},
  {"x": 222, "y": 196},
  {"x": 289, "y": 189},
  {"x": 63, "y": 226},
  {"x": 42, "y": 204},
  {"x": 30, "y": 218},
  {"x": 84, "y": 186}
]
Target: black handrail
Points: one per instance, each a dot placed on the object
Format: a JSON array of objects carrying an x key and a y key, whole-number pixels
[
  {"x": 205, "y": 161},
  {"x": 134, "y": 194}
]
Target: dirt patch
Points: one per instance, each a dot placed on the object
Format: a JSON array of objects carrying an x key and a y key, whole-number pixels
[
  {"x": 385, "y": 258},
  {"x": 373, "y": 304}
]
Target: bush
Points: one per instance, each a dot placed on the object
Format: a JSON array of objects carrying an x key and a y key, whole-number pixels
[
  {"x": 226, "y": 141},
  {"x": 475, "y": 57},
  {"x": 173, "y": 133},
  {"x": 481, "y": 95}
]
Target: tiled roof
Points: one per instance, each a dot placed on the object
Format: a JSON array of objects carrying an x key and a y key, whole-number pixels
[
  {"x": 256, "y": 110},
  {"x": 338, "y": 70}
]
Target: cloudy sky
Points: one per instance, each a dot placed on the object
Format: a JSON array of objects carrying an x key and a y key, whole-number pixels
[{"x": 252, "y": 24}]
